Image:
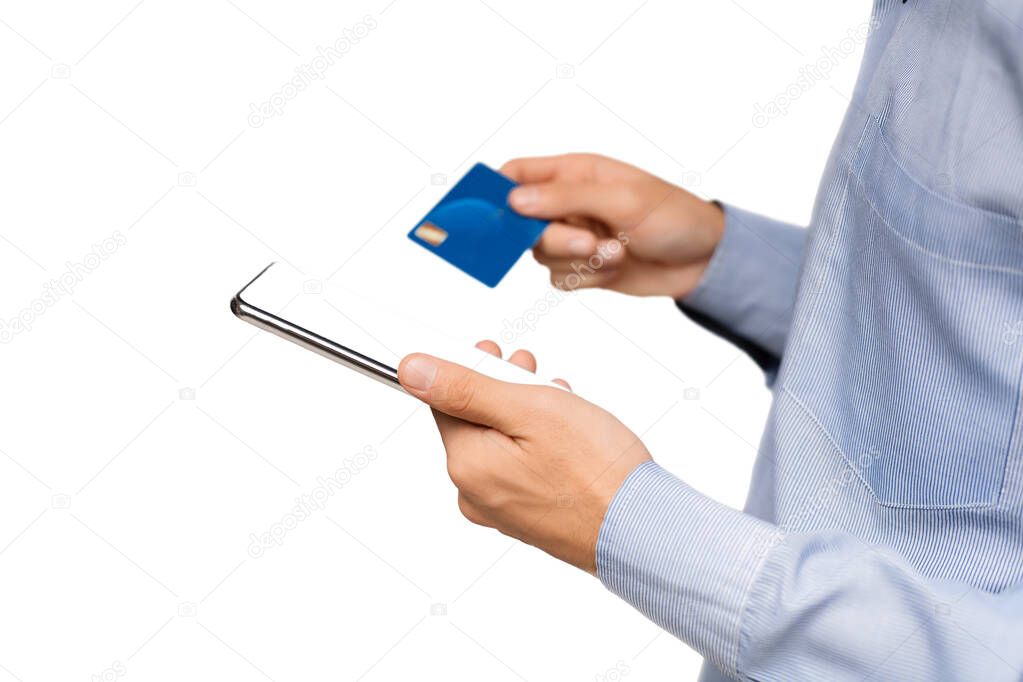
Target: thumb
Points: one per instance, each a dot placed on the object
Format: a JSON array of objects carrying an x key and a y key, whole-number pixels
[
  {"x": 460, "y": 392},
  {"x": 611, "y": 203}
]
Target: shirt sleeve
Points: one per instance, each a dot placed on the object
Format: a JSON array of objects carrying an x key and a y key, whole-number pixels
[
  {"x": 761, "y": 604},
  {"x": 748, "y": 291}
]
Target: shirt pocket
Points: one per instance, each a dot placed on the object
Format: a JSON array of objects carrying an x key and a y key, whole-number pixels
[{"x": 907, "y": 353}]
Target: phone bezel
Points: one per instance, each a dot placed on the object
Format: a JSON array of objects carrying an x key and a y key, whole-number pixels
[{"x": 264, "y": 319}]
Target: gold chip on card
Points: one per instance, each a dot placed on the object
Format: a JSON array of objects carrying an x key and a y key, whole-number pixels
[{"x": 431, "y": 234}]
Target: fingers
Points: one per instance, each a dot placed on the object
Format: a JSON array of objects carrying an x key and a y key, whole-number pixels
[
  {"x": 520, "y": 358},
  {"x": 570, "y": 279},
  {"x": 600, "y": 268},
  {"x": 612, "y": 203},
  {"x": 524, "y": 359},
  {"x": 566, "y": 241},
  {"x": 460, "y": 392},
  {"x": 606, "y": 253},
  {"x": 546, "y": 168},
  {"x": 488, "y": 346},
  {"x": 536, "y": 169}
]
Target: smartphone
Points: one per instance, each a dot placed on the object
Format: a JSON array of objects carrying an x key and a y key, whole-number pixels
[{"x": 363, "y": 335}]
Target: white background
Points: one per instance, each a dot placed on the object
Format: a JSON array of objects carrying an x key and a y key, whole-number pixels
[{"x": 145, "y": 433}]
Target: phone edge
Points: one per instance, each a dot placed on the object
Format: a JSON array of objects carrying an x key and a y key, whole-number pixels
[{"x": 310, "y": 340}]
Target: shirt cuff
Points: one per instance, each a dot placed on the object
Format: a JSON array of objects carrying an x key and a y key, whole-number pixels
[
  {"x": 749, "y": 286},
  {"x": 683, "y": 560}
]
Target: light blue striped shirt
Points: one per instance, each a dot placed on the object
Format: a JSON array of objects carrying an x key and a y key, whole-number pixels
[{"x": 883, "y": 534}]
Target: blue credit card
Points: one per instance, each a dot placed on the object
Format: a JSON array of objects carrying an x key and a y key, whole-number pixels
[{"x": 475, "y": 229}]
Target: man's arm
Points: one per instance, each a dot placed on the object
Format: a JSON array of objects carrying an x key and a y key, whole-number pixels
[
  {"x": 544, "y": 466},
  {"x": 762, "y": 605},
  {"x": 747, "y": 293}
]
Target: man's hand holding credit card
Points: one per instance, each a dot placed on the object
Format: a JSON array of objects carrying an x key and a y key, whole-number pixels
[{"x": 475, "y": 229}]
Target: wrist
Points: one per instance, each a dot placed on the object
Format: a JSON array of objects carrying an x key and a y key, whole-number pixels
[
  {"x": 707, "y": 228},
  {"x": 711, "y": 221}
]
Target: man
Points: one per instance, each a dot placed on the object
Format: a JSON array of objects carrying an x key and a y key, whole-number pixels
[{"x": 883, "y": 535}]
